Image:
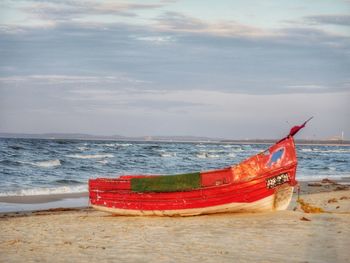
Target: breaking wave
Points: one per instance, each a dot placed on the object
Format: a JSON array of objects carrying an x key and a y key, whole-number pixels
[
  {"x": 204, "y": 155},
  {"x": 124, "y": 144},
  {"x": 90, "y": 156},
  {"x": 47, "y": 191},
  {"x": 47, "y": 164},
  {"x": 82, "y": 148},
  {"x": 67, "y": 181},
  {"x": 165, "y": 154},
  {"x": 325, "y": 151}
]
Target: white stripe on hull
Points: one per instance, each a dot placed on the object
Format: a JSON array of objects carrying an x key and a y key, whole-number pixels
[{"x": 278, "y": 201}]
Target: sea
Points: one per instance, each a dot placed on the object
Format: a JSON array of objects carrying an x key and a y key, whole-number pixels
[{"x": 50, "y": 166}]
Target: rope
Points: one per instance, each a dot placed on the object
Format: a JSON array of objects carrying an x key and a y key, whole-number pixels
[{"x": 298, "y": 186}]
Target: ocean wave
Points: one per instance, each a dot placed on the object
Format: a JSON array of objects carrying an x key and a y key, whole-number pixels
[
  {"x": 232, "y": 155},
  {"x": 117, "y": 144},
  {"x": 16, "y": 147},
  {"x": 62, "y": 141},
  {"x": 237, "y": 149},
  {"x": 325, "y": 151},
  {"x": 204, "y": 155},
  {"x": 47, "y": 191},
  {"x": 10, "y": 162},
  {"x": 67, "y": 181},
  {"x": 46, "y": 164},
  {"x": 328, "y": 168},
  {"x": 333, "y": 151},
  {"x": 90, "y": 156},
  {"x": 313, "y": 177},
  {"x": 103, "y": 161},
  {"x": 165, "y": 154},
  {"x": 306, "y": 150},
  {"x": 215, "y": 150},
  {"x": 124, "y": 144},
  {"x": 82, "y": 148},
  {"x": 234, "y": 148}
]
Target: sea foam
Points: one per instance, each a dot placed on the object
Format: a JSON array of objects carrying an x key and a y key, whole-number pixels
[
  {"x": 47, "y": 164},
  {"x": 90, "y": 156},
  {"x": 165, "y": 154},
  {"x": 47, "y": 191}
]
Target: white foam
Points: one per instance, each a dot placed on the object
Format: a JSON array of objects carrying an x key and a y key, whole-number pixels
[
  {"x": 117, "y": 144},
  {"x": 82, "y": 148},
  {"x": 202, "y": 155},
  {"x": 333, "y": 151},
  {"x": 309, "y": 177},
  {"x": 47, "y": 164},
  {"x": 237, "y": 149},
  {"x": 232, "y": 155},
  {"x": 165, "y": 154},
  {"x": 90, "y": 156},
  {"x": 124, "y": 144},
  {"x": 103, "y": 161},
  {"x": 213, "y": 156},
  {"x": 47, "y": 191},
  {"x": 325, "y": 151},
  {"x": 234, "y": 148},
  {"x": 109, "y": 144}
]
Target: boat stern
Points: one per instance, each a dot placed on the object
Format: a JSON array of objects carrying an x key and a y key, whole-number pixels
[{"x": 282, "y": 197}]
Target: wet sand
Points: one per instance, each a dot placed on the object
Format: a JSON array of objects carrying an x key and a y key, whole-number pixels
[
  {"x": 39, "y": 199},
  {"x": 76, "y": 235}
]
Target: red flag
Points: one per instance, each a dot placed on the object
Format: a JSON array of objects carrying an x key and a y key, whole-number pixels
[{"x": 295, "y": 129}]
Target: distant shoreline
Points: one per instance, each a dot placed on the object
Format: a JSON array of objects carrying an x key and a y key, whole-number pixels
[{"x": 166, "y": 139}]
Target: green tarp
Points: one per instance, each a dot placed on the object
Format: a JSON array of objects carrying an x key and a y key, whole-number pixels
[{"x": 167, "y": 183}]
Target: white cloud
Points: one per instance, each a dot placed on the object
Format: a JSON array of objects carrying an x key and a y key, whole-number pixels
[
  {"x": 179, "y": 22},
  {"x": 71, "y": 79},
  {"x": 308, "y": 87}
]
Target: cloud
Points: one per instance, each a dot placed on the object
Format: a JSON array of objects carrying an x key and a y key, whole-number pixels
[
  {"x": 90, "y": 54},
  {"x": 45, "y": 13},
  {"x": 176, "y": 52},
  {"x": 152, "y": 104},
  {"x": 67, "y": 10},
  {"x": 340, "y": 19},
  {"x": 179, "y": 22},
  {"x": 69, "y": 79},
  {"x": 80, "y": 64}
]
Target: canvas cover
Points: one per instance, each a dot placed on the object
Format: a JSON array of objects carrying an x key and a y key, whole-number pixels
[{"x": 167, "y": 183}]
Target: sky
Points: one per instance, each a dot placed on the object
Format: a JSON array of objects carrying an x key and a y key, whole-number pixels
[{"x": 224, "y": 69}]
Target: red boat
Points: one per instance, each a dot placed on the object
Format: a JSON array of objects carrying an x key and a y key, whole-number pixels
[{"x": 263, "y": 182}]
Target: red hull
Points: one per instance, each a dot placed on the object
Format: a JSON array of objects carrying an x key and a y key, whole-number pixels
[{"x": 257, "y": 178}]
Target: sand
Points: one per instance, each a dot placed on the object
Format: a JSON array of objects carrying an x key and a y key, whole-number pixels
[{"x": 85, "y": 235}]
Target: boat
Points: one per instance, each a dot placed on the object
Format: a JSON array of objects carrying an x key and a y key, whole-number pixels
[{"x": 263, "y": 182}]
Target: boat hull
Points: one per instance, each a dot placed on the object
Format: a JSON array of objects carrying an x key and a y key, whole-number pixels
[
  {"x": 263, "y": 182},
  {"x": 273, "y": 202}
]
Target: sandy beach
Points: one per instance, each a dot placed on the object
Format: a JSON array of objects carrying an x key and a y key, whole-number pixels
[{"x": 82, "y": 234}]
